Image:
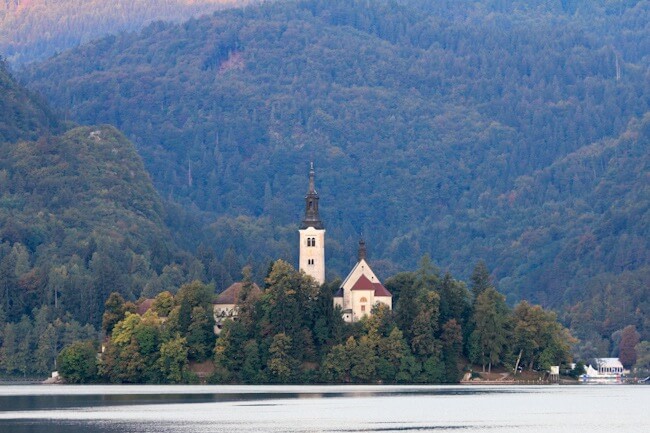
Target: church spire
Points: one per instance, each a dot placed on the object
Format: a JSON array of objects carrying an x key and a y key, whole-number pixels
[
  {"x": 312, "y": 174},
  {"x": 362, "y": 249},
  {"x": 312, "y": 219}
]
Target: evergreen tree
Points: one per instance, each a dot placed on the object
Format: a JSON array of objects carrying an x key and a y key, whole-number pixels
[
  {"x": 491, "y": 329},
  {"x": 452, "y": 345},
  {"x": 114, "y": 310},
  {"x": 480, "y": 279}
]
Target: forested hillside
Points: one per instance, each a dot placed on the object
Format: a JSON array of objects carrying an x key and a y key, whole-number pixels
[
  {"x": 512, "y": 132},
  {"x": 79, "y": 219},
  {"x": 35, "y": 29},
  {"x": 24, "y": 115}
]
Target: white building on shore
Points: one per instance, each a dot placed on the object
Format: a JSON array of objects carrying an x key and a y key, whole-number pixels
[{"x": 603, "y": 370}]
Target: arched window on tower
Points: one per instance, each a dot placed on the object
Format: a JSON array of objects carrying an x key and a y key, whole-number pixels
[
  {"x": 313, "y": 242},
  {"x": 309, "y": 242},
  {"x": 363, "y": 299}
]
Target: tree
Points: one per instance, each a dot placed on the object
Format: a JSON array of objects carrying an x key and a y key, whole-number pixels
[
  {"x": 454, "y": 300},
  {"x": 424, "y": 343},
  {"x": 228, "y": 356},
  {"x": 452, "y": 346},
  {"x": 200, "y": 334},
  {"x": 392, "y": 350},
  {"x": 189, "y": 296},
  {"x": 251, "y": 371},
  {"x": 77, "y": 363},
  {"x": 114, "y": 310},
  {"x": 539, "y": 341},
  {"x": 163, "y": 304},
  {"x": 491, "y": 328},
  {"x": 45, "y": 350},
  {"x": 9, "y": 349},
  {"x": 173, "y": 359},
  {"x": 407, "y": 308},
  {"x": 627, "y": 347},
  {"x": 363, "y": 360},
  {"x": 480, "y": 279},
  {"x": 433, "y": 370},
  {"x": 281, "y": 365},
  {"x": 335, "y": 367},
  {"x": 248, "y": 300},
  {"x": 288, "y": 306},
  {"x": 643, "y": 357},
  {"x": 380, "y": 322},
  {"x": 398, "y": 283}
]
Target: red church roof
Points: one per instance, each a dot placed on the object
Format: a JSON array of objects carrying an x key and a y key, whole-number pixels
[
  {"x": 380, "y": 290},
  {"x": 363, "y": 283}
]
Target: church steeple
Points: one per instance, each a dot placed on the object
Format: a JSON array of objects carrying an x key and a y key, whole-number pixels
[
  {"x": 312, "y": 236},
  {"x": 312, "y": 219},
  {"x": 362, "y": 249}
]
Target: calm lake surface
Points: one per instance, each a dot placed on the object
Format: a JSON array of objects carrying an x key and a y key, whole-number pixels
[{"x": 81, "y": 409}]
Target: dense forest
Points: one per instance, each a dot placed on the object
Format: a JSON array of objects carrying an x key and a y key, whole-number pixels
[
  {"x": 498, "y": 130},
  {"x": 79, "y": 219},
  {"x": 289, "y": 333},
  {"x": 35, "y": 29}
]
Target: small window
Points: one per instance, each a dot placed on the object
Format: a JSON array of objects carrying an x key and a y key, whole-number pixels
[
  {"x": 363, "y": 308},
  {"x": 313, "y": 242},
  {"x": 363, "y": 300},
  {"x": 309, "y": 242}
]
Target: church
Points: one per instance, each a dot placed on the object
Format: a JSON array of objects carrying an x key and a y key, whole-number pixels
[{"x": 361, "y": 289}]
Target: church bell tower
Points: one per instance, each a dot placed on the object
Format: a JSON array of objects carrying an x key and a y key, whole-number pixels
[{"x": 312, "y": 235}]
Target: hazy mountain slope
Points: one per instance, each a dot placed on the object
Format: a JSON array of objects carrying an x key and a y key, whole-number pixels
[
  {"x": 34, "y": 29},
  {"x": 79, "y": 217},
  {"x": 595, "y": 214},
  {"x": 22, "y": 114},
  {"x": 425, "y": 123}
]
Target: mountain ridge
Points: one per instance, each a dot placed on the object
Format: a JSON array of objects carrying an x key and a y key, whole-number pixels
[
  {"x": 425, "y": 128},
  {"x": 35, "y": 29}
]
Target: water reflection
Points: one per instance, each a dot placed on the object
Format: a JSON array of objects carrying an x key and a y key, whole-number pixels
[
  {"x": 109, "y": 409},
  {"x": 132, "y": 395}
]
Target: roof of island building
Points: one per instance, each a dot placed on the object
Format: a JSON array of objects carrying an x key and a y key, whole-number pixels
[
  {"x": 363, "y": 283},
  {"x": 612, "y": 363},
  {"x": 361, "y": 277},
  {"x": 144, "y": 306},
  {"x": 231, "y": 294}
]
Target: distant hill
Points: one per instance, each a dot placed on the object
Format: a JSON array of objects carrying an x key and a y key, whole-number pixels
[
  {"x": 463, "y": 130},
  {"x": 79, "y": 217},
  {"x": 24, "y": 115},
  {"x": 35, "y": 29}
]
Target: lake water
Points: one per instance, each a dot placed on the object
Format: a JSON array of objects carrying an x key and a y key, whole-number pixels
[{"x": 190, "y": 409}]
